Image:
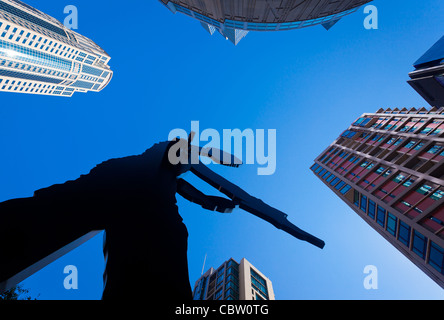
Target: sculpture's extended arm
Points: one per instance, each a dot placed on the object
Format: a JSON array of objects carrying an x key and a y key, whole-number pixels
[
  {"x": 252, "y": 204},
  {"x": 212, "y": 203}
]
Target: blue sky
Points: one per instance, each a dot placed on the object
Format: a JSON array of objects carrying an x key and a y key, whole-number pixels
[{"x": 306, "y": 84}]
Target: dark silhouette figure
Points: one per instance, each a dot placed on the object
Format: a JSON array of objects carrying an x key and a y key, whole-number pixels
[{"x": 133, "y": 200}]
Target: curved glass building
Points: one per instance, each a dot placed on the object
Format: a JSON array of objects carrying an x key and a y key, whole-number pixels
[
  {"x": 39, "y": 55},
  {"x": 235, "y": 18}
]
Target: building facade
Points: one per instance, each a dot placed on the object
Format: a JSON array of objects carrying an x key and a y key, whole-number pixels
[
  {"x": 233, "y": 281},
  {"x": 388, "y": 166},
  {"x": 39, "y": 55},
  {"x": 233, "y": 19}
]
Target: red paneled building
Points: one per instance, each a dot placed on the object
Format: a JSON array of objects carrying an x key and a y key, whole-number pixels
[{"x": 388, "y": 167}]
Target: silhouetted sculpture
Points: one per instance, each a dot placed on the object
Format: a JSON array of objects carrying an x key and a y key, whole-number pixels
[{"x": 133, "y": 200}]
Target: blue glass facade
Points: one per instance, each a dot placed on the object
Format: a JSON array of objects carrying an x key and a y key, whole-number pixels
[
  {"x": 8, "y": 49},
  {"x": 27, "y": 76},
  {"x": 434, "y": 56}
]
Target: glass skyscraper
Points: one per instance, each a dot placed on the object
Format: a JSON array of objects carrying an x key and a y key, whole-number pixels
[
  {"x": 233, "y": 19},
  {"x": 39, "y": 55}
]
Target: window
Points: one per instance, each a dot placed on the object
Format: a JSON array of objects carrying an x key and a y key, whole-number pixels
[
  {"x": 371, "y": 209},
  {"x": 364, "y": 163},
  {"x": 424, "y": 189},
  {"x": 419, "y": 244},
  {"x": 404, "y": 233},
  {"x": 231, "y": 294},
  {"x": 340, "y": 185},
  {"x": 326, "y": 175},
  {"x": 233, "y": 271},
  {"x": 232, "y": 285},
  {"x": 435, "y": 149},
  {"x": 400, "y": 177},
  {"x": 336, "y": 180},
  {"x": 330, "y": 178},
  {"x": 387, "y": 173},
  {"x": 345, "y": 189},
  {"x": 426, "y": 130},
  {"x": 363, "y": 203},
  {"x": 218, "y": 294},
  {"x": 410, "y": 144},
  {"x": 437, "y": 195},
  {"x": 380, "y": 170},
  {"x": 259, "y": 283},
  {"x": 356, "y": 198},
  {"x": 232, "y": 263},
  {"x": 380, "y": 218},
  {"x": 419, "y": 146},
  {"x": 409, "y": 182},
  {"x": 391, "y": 224},
  {"x": 436, "y": 259}
]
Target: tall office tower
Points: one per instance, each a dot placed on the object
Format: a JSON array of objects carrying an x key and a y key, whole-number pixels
[
  {"x": 39, "y": 55},
  {"x": 233, "y": 281},
  {"x": 428, "y": 78},
  {"x": 388, "y": 166},
  {"x": 233, "y": 19}
]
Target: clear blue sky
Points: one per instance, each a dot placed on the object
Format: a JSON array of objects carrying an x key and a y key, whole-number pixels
[{"x": 306, "y": 84}]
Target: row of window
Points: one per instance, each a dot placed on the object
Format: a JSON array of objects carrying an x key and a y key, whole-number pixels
[
  {"x": 387, "y": 191},
  {"x": 10, "y": 50},
  {"x": 434, "y": 127},
  {"x": 409, "y": 144},
  {"x": 401, "y": 178},
  {"x": 259, "y": 283},
  {"x": 410, "y": 111},
  {"x": 331, "y": 179},
  {"x": 387, "y": 220},
  {"x": 32, "y": 87},
  {"x": 27, "y": 76},
  {"x": 409, "y": 237},
  {"x": 37, "y": 41},
  {"x": 31, "y": 18},
  {"x": 31, "y": 68}
]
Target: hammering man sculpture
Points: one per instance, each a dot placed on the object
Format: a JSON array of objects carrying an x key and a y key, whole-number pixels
[{"x": 133, "y": 200}]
